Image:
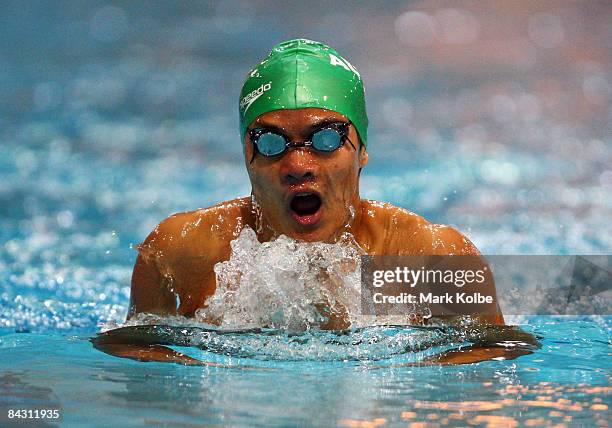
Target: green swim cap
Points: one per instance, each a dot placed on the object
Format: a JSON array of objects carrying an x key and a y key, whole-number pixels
[{"x": 301, "y": 73}]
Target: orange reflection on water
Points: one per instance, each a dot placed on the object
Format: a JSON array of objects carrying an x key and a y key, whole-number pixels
[
  {"x": 493, "y": 421},
  {"x": 542, "y": 404},
  {"x": 362, "y": 423},
  {"x": 464, "y": 406}
]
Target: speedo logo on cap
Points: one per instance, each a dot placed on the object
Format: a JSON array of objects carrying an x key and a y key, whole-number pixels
[{"x": 250, "y": 98}]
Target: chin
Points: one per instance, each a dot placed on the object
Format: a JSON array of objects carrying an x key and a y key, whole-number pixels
[{"x": 314, "y": 235}]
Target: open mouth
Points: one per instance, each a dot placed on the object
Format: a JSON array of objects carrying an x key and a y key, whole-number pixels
[
  {"x": 305, "y": 204},
  {"x": 306, "y": 207}
]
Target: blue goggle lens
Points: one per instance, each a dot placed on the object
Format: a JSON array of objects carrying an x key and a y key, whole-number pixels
[
  {"x": 271, "y": 144},
  {"x": 326, "y": 140}
]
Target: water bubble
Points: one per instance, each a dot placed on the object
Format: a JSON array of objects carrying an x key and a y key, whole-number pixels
[
  {"x": 416, "y": 29},
  {"x": 65, "y": 219},
  {"x": 26, "y": 161},
  {"x": 500, "y": 172},
  {"x": 457, "y": 26}
]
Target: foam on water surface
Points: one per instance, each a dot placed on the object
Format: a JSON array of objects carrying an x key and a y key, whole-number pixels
[{"x": 367, "y": 344}]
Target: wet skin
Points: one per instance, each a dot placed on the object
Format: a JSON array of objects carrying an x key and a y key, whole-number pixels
[{"x": 174, "y": 269}]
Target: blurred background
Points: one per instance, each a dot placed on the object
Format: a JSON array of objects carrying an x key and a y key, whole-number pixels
[{"x": 492, "y": 116}]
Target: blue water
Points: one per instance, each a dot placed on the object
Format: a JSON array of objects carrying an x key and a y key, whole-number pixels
[
  {"x": 114, "y": 117},
  {"x": 559, "y": 383}
]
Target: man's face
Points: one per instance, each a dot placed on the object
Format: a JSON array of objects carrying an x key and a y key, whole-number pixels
[{"x": 303, "y": 193}]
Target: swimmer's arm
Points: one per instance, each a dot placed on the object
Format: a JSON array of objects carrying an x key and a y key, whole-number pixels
[
  {"x": 149, "y": 294},
  {"x": 447, "y": 240},
  {"x": 175, "y": 265},
  {"x": 474, "y": 354},
  {"x": 149, "y": 291},
  {"x": 129, "y": 343},
  {"x": 147, "y": 353},
  {"x": 489, "y": 343}
]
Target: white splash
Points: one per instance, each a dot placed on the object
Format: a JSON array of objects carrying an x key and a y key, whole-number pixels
[{"x": 285, "y": 283}]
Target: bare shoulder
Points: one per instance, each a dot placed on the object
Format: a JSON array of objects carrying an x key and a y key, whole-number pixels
[
  {"x": 202, "y": 231},
  {"x": 176, "y": 260},
  {"x": 408, "y": 233}
]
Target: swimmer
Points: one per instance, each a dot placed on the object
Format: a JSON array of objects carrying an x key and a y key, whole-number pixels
[{"x": 304, "y": 133}]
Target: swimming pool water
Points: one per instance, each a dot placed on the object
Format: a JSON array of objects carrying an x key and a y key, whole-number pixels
[
  {"x": 566, "y": 381},
  {"x": 114, "y": 117}
]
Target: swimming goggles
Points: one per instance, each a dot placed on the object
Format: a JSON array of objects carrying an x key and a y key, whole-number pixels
[{"x": 328, "y": 138}]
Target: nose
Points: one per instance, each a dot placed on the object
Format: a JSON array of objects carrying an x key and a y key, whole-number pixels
[{"x": 298, "y": 166}]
